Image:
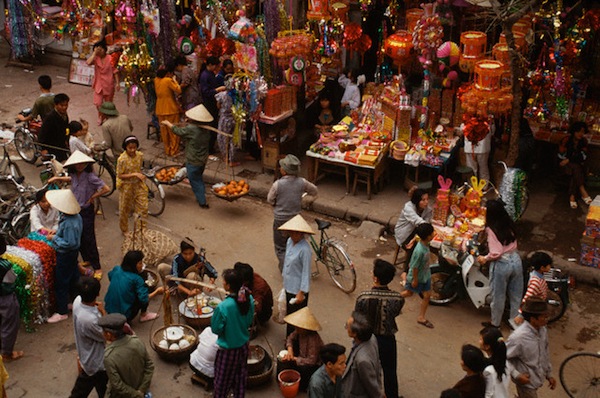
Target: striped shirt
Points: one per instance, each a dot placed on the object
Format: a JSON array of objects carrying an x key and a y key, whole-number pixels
[{"x": 537, "y": 286}]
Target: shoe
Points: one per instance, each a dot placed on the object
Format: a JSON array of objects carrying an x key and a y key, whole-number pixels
[
  {"x": 587, "y": 200},
  {"x": 205, "y": 206},
  {"x": 149, "y": 316},
  {"x": 573, "y": 204},
  {"x": 57, "y": 318},
  {"x": 489, "y": 325}
]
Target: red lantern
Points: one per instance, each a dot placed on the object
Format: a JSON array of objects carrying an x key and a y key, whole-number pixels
[
  {"x": 412, "y": 17},
  {"x": 398, "y": 46},
  {"x": 487, "y": 75},
  {"x": 519, "y": 39}
]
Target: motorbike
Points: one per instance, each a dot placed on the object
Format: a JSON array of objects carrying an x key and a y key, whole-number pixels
[{"x": 457, "y": 273}]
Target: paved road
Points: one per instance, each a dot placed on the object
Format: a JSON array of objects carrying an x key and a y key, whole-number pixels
[{"x": 241, "y": 231}]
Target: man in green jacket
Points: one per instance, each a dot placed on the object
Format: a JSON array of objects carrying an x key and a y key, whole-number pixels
[
  {"x": 196, "y": 148},
  {"x": 126, "y": 360}
]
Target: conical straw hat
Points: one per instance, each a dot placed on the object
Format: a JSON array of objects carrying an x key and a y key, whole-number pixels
[
  {"x": 200, "y": 114},
  {"x": 63, "y": 200},
  {"x": 303, "y": 318},
  {"x": 298, "y": 224},
  {"x": 78, "y": 157}
]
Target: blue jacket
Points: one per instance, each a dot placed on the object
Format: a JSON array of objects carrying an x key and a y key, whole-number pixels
[
  {"x": 124, "y": 290},
  {"x": 68, "y": 235}
]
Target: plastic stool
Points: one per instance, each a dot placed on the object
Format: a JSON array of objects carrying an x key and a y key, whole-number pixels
[{"x": 465, "y": 172}]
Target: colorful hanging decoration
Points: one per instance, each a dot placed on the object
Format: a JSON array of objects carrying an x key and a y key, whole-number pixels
[
  {"x": 355, "y": 39},
  {"x": 427, "y": 37},
  {"x": 245, "y": 57},
  {"x": 17, "y": 24},
  {"x": 286, "y": 46},
  {"x": 242, "y": 30},
  {"x": 472, "y": 46},
  {"x": 448, "y": 55},
  {"x": 317, "y": 10}
]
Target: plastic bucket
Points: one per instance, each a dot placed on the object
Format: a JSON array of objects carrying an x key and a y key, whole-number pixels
[{"x": 289, "y": 382}]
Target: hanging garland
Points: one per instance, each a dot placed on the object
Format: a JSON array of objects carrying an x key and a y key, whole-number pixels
[
  {"x": 21, "y": 40},
  {"x": 24, "y": 275}
]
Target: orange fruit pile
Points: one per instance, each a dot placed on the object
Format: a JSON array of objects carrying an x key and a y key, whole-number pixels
[
  {"x": 233, "y": 188},
  {"x": 167, "y": 174}
]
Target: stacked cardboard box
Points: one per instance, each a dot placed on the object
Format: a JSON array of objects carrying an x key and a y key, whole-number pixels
[{"x": 590, "y": 241}]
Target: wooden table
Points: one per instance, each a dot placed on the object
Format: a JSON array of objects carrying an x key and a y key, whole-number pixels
[{"x": 370, "y": 175}]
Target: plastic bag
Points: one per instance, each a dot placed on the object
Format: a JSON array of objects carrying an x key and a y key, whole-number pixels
[{"x": 281, "y": 307}]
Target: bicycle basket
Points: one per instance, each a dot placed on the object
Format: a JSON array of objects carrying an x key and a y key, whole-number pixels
[{"x": 8, "y": 189}]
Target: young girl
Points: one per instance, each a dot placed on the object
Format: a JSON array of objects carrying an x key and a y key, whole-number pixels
[
  {"x": 43, "y": 218},
  {"x": 86, "y": 187},
  {"x": 77, "y": 136},
  {"x": 326, "y": 116},
  {"x": 496, "y": 374},
  {"x": 230, "y": 321},
  {"x": 127, "y": 293},
  {"x": 130, "y": 183}
]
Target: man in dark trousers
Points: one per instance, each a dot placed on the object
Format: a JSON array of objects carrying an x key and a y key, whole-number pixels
[
  {"x": 53, "y": 134},
  {"x": 381, "y": 306}
]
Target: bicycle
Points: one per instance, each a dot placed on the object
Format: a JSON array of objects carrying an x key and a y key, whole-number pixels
[
  {"x": 331, "y": 252},
  {"x": 15, "y": 203},
  {"x": 106, "y": 171},
  {"x": 26, "y": 138},
  {"x": 7, "y": 166},
  {"x": 580, "y": 375}
]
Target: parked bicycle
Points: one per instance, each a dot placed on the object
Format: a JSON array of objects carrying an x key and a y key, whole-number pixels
[
  {"x": 15, "y": 203},
  {"x": 26, "y": 137},
  {"x": 580, "y": 375},
  {"x": 7, "y": 166},
  {"x": 331, "y": 252},
  {"x": 106, "y": 170}
]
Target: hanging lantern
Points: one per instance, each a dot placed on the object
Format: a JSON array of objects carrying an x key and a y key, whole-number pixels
[
  {"x": 520, "y": 42},
  {"x": 522, "y": 26},
  {"x": 448, "y": 54},
  {"x": 487, "y": 74},
  {"x": 501, "y": 53},
  {"x": 412, "y": 17},
  {"x": 340, "y": 11},
  {"x": 473, "y": 44},
  {"x": 318, "y": 10},
  {"x": 398, "y": 47}
]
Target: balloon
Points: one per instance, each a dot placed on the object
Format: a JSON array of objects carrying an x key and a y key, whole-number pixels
[{"x": 452, "y": 75}]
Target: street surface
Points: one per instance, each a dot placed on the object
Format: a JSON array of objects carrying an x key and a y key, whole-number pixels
[{"x": 429, "y": 359}]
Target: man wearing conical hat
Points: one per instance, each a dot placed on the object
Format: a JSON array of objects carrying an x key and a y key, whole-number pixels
[
  {"x": 196, "y": 148},
  {"x": 296, "y": 266},
  {"x": 303, "y": 345},
  {"x": 286, "y": 197},
  {"x": 66, "y": 242}
]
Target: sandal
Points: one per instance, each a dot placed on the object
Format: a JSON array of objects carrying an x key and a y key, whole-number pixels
[
  {"x": 426, "y": 323},
  {"x": 13, "y": 356},
  {"x": 587, "y": 200},
  {"x": 573, "y": 204}
]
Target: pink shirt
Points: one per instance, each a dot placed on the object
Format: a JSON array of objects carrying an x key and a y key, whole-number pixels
[
  {"x": 496, "y": 249},
  {"x": 104, "y": 82}
]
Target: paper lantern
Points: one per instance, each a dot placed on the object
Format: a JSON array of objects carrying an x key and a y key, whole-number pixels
[
  {"x": 519, "y": 39},
  {"x": 523, "y": 25},
  {"x": 412, "y": 17},
  {"x": 501, "y": 53},
  {"x": 487, "y": 74},
  {"x": 448, "y": 53},
  {"x": 473, "y": 44},
  {"x": 318, "y": 10},
  {"x": 398, "y": 46}
]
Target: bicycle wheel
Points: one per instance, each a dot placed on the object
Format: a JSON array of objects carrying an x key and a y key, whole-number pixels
[
  {"x": 580, "y": 375},
  {"x": 106, "y": 172},
  {"x": 20, "y": 227},
  {"x": 156, "y": 197},
  {"x": 556, "y": 306},
  {"x": 440, "y": 293},
  {"x": 339, "y": 266},
  {"x": 25, "y": 144}
]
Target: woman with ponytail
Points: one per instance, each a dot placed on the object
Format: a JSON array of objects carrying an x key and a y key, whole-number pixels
[
  {"x": 230, "y": 321},
  {"x": 497, "y": 377}
]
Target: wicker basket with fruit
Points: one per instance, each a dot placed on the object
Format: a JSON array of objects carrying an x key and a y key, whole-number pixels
[
  {"x": 170, "y": 175},
  {"x": 232, "y": 190}
]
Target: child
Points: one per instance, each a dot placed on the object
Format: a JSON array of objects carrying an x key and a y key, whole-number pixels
[
  {"x": 537, "y": 286},
  {"x": 418, "y": 279},
  {"x": 351, "y": 97},
  {"x": 130, "y": 183},
  {"x": 188, "y": 264},
  {"x": 473, "y": 363},
  {"x": 226, "y": 124},
  {"x": 77, "y": 134},
  {"x": 326, "y": 116},
  {"x": 496, "y": 374}
]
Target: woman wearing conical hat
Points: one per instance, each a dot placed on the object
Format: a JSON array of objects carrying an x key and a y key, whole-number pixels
[
  {"x": 296, "y": 266},
  {"x": 302, "y": 345}
]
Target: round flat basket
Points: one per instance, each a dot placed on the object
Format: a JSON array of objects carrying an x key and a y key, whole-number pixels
[
  {"x": 174, "y": 355},
  {"x": 162, "y": 174},
  {"x": 217, "y": 191},
  {"x": 150, "y": 278}
]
